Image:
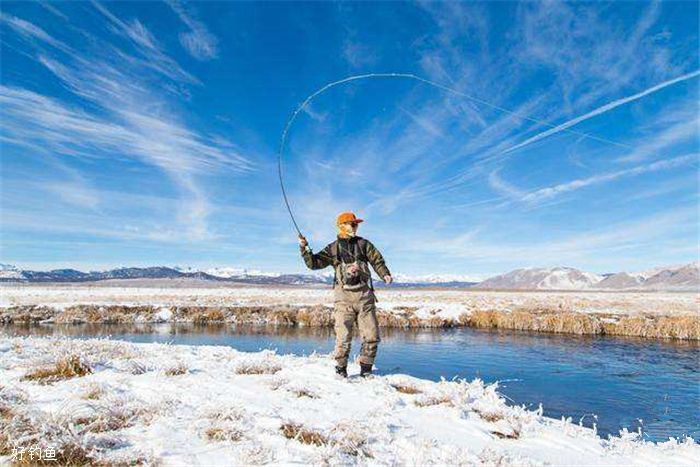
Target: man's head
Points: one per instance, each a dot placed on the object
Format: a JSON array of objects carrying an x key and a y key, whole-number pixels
[{"x": 347, "y": 223}]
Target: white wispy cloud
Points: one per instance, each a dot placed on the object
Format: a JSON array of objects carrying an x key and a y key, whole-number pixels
[
  {"x": 664, "y": 139},
  {"x": 134, "y": 117},
  {"x": 198, "y": 41},
  {"x": 501, "y": 186},
  {"x": 588, "y": 54},
  {"x": 552, "y": 191},
  {"x": 602, "y": 109},
  {"x": 31, "y": 31},
  {"x": 52, "y": 8},
  {"x": 146, "y": 45},
  {"x": 585, "y": 247}
]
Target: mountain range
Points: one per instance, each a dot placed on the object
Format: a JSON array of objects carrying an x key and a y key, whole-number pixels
[{"x": 680, "y": 277}]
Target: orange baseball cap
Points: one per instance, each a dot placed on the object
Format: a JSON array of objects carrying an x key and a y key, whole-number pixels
[{"x": 350, "y": 217}]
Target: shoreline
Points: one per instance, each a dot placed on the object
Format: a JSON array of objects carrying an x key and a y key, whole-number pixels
[{"x": 680, "y": 326}]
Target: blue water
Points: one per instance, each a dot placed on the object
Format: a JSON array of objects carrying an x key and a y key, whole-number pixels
[{"x": 613, "y": 382}]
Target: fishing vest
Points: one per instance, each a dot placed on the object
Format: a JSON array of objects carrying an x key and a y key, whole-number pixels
[{"x": 346, "y": 252}]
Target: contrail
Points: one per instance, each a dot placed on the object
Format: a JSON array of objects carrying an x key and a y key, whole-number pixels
[{"x": 600, "y": 110}]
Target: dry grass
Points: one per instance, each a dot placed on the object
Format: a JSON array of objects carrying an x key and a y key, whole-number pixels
[
  {"x": 69, "y": 454},
  {"x": 304, "y": 392},
  {"x": 24, "y": 433},
  {"x": 277, "y": 383},
  {"x": 303, "y": 435},
  {"x": 223, "y": 434},
  {"x": 258, "y": 368},
  {"x": 490, "y": 417},
  {"x": 105, "y": 314},
  {"x": 104, "y": 423},
  {"x": 6, "y": 413},
  {"x": 207, "y": 315},
  {"x": 137, "y": 368},
  {"x": 5, "y": 445},
  {"x": 431, "y": 400},
  {"x": 351, "y": 438},
  {"x": 177, "y": 369},
  {"x": 26, "y": 314},
  {"x": 664, "y": 327},
  {"x": 65, "y": 368},
  {"x": 94, "y": 392},
  {"x": 506, "y": 434},
  {"x": 511, "y": 312},
  {"x": 406, "y": 388}
]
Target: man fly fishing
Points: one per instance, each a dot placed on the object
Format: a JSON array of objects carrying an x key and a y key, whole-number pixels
[{"x": 353, "y": 291}]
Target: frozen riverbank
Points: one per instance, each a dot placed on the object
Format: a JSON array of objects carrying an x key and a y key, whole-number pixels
[
  {"x": 213, "y": 405},
  {"x": 652, "y": 315}
]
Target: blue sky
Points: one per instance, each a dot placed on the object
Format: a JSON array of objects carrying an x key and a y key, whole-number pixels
[{"x": 146, "y": 133}]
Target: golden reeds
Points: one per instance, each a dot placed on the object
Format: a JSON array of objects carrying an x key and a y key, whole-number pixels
[
  {"x": 562, "y": 319},
  {"x": 65, "y": 368},
  {"x": 302, "y": 434}
]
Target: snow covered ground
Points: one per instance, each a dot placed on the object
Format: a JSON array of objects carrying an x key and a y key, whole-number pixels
[
  {"x": 427, "y": 302},
  {"x": 201, "y": 405}
]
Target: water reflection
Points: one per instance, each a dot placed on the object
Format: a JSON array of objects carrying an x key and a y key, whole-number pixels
[{"x": 621, "y": 380}]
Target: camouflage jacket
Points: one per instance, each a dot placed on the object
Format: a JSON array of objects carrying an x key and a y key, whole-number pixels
[{"x": 343, "y": 249}]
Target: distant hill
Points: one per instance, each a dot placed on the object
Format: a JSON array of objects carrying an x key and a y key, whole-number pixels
[
  {"x": 14, "y": 274},
  {"x": 559, "y": 278},
  {"x": 681, "y": 278}
]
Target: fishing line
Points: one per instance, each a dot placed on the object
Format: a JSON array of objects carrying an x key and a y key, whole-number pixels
[{"x": 285, "y": 133}]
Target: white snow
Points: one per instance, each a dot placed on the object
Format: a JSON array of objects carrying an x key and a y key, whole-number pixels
[
  {"x": 447, "y": 303},
  {"x": 163, "y": 315},
  {"x": 435, "y": 278},
  {"x": 169, "y": 420}
]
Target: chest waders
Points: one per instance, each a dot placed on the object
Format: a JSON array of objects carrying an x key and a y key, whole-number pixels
[{"x": 359, "y": 277}]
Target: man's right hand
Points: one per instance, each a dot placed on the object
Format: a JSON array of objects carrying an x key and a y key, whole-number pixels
[{"x": 302, "y": 241}]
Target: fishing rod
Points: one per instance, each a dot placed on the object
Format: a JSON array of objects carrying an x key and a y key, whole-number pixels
[{"x": 292, "y": 118}]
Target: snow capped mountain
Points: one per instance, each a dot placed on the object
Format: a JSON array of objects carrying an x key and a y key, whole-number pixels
[
  {"x": 559, "y": 278},
  {"x": 682, "y": 277},
  {"x": 436, "y": 279},
  {"x": 8, "y": 271},
  {"x": 621, "y": 280},
  {"x": 685, "y": 277},
  {"x": 227, "y": 272},
  {"x": 678, "y": 278}
]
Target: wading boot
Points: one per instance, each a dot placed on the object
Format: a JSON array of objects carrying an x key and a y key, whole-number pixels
[
  {"x": 341, "y": 371},
  {"x": 365, "y": 369}
]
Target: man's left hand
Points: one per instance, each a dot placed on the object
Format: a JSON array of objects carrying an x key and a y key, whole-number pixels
[{"x": 388, "y": 279}]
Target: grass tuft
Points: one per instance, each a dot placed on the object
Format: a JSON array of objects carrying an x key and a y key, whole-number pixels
[
  {"x": 490, "y": 417},
  {"x": 428, "y": 401},
  {"x": 303, "y": 392},
  {"x": 65, "y": 368},
  {"x": 406, "y": 388},
  {"x": 512, "y": 434},
  {"x": 178, "y": 369},
  {"x": 258, "y": 368},
  {"x": 94, "y": 392},
  {"x": 303, "y": 435},
  {"x": 217, "y": 433},
  {"x": 69, "y": 454}
]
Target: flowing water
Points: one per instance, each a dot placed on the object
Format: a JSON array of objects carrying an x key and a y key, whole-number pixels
[{"x": 613, "y": 382}]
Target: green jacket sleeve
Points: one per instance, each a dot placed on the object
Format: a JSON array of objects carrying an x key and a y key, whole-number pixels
[
  {"x": 376, "y": 259},
  {"x": 322, "y": 259}
]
